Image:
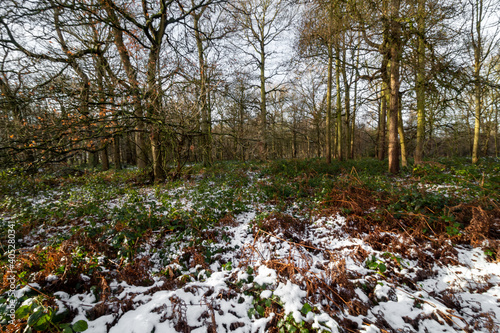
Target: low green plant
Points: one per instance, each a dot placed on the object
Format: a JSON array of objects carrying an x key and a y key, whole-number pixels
[
  {"x": 288, "y": 324},
  {"x": 490, "y": 253},
  {"x": 395, "y": 258},
  {"x": 454, "y": 229},
  {"x": 376, "y": 264},
  {"x": 42, "y": 318}
]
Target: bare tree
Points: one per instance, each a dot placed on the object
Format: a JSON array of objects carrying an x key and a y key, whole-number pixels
[
  {"x": 483, "y": 43},
  {"x": 261, "y": 24}
]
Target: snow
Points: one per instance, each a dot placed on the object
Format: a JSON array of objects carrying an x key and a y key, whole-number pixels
[
  {"x": 265, "y": 276},
  {"x": 291, "y": 295}
]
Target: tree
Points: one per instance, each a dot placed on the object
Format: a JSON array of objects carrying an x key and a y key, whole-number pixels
[
  {"x": 261, "y": 23},
  {"x": 482, "y": 46},
  {"x": 320, "y": 35},
  {"x": 391, "y": 48},
  {"x": 420, "y": 84}
]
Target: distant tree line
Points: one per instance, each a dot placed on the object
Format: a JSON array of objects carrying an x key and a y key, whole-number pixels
[{"x": 158, "y": 84}]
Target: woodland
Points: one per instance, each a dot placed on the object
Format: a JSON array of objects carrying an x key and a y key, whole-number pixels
[{"x": 249, "y": 166}]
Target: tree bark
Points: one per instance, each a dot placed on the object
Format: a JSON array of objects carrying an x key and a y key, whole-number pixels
[
  {"x": 402, "y": 140},
  {"x": 153, "y": 107},
  {"x": 329, "y": 105},
  {"x": 206, "y": 141},
  {"x": 116, "y": 152},
  {"x": 477, "y": 45},
  {"x": 395, "y": 52},
  {"x": 496, "y": 125},
  {"x": 105, "y": 158},
  {"x": 420, "y": 84},
  {"x": 339, "y": 140},
  {"x": 382, "y": 121},
  {"x": 263, "y": 105},
  {"x": 347, "y": 102}
]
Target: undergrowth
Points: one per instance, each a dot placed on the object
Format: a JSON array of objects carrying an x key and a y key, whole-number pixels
[{"x": 81, "y": 230}]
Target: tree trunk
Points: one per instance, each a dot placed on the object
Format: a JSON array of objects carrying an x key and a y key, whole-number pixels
[
  {"x": 153, "y": 107},
  {"x": 477, "y": 111},
  {"x": 104, "y": 158},
  {"x": 263, "y": 105},
  {"x": 116, "y": 152},
  {"x": 329, "y": 106},
  {"x": 402, "y": 140},
  {"x": 347, "y": 101},
  {"x": 94, "y": 159},
  {"x": 496, "y": 125},
  {"x": 206, "y": 144},
  {"x": 141, "y": 152},
  {"x": 102, "y": 109},
  {"x": 488, "y": 131},
  {"x": 355, "y": 102},
  {"x": 353, "y": 116},
  {"x": 382, "y": 122},
  {"x": 339, "y": 140},
  {"x": 477, "y": 45},
  {"x": 395, "y": 52},
  {"x": 420, "y": 86}
]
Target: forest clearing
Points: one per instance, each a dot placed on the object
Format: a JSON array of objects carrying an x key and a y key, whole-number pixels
[{"x": 284, "y": 246}]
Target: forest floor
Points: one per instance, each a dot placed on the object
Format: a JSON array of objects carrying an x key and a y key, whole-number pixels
[{"x": 284, "y": 246}]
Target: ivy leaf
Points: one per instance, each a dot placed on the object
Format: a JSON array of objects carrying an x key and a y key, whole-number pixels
[
  {"x": 290, "y": 327},
  {"x": 66, "y": 328},
  {"x": 306, "y": 308},
  {"x": 80, "y": 326},
  {"x": 260, "y": 309}
]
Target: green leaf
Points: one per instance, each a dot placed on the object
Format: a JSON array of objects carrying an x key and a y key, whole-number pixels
[
  {"x": 306, "y": 308},
  {"x": 23, "y": 311},
  {"x": 382, "y": 268},
  {"x": 42, "y": 323},
  {"x": 260, "y": 309},
  {"x": 268, "y": 303},
  {"x": 304, "y": 330},
  {"x": 35, "y": 316},
  {"x": 66, "y": 328},
  {"x": 80, "y": 326}
]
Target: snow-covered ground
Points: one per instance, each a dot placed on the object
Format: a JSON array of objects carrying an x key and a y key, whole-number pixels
[{"x": 273, "y": 269}]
